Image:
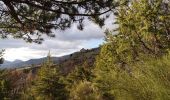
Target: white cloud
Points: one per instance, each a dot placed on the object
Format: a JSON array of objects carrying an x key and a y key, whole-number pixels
[
  {"x": 65, "y": 42},
  {"x": 26, "y": 53},
  {"x": 15, "y": 53}
]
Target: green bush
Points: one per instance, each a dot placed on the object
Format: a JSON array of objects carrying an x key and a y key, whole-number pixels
[
  {"x": 84, "y": 91},
  {"x": 148, "y": 79}
]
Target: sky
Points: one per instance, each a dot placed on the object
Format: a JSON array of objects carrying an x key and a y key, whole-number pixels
[{"x": 65, "y": 42}]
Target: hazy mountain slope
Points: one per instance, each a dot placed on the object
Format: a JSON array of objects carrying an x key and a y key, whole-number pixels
[
  {"x": 7, "y": 62},
  {"x": 22, "y": 76},
  {"x": 67, "y": 62},
  {"x": 30, "y": 62},
  {"x": 84, "y": 58}
]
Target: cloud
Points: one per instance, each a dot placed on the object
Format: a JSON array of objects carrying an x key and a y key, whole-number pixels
[
  {"x": 65, "y": 42},
  {"x": 91, "y": 31},
  {"x": 25, "y": 53}
]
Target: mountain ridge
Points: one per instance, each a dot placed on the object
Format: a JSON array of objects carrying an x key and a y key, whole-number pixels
[{"x": 34, "y": 62}]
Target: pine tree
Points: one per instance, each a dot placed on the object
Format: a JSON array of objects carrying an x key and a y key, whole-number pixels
[
  {"x": 132, "y": 63},
  {"x": 47, "y": 84},
  {"x": 26, "y": 19},
  {"x": 79, "y": 74},
  {"x": 144, "y": 24},
  {"x": 5, "y": 85}
]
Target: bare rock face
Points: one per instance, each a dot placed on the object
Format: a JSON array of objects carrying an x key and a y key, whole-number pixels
[{"x": 83, "y": 50}]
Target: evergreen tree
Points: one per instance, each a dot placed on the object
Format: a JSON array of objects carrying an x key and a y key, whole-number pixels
[
  {"x": 143, "y": 25},
  {"x": 78, "y": 82},
  {"x": 5, "y": 85},
  {"x": 47, "y": 85},
  {"x": 79, "y": 74},
  {"x": 25, "y": 18},
  {"x": 145, "y": 80},
  {"x": 132, "y": 64}
]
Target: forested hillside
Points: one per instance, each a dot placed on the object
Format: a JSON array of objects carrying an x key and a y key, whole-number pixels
[
  {"x": 132, "y": 64},
  {"x": 21, "y": 78}
]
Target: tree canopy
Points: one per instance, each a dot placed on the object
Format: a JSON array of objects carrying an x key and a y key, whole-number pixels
[
  {"x": 29, "y": 19},
  {"x": 131, "y": 64}
]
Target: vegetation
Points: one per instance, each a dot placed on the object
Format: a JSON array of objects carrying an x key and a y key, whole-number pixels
[
  {"x": 48, "y": 84},
  {"x": 133, "y": 63},
  {"x": 1, "y": 57},
  {"x": 143, "y": 80},
  {"x": 4, "y": 85},
  {"x": 84, "y": 90},
  {"x": 25, "y": 19}
]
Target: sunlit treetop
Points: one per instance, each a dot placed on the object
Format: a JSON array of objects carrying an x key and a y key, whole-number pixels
[{"x": 29, "y": 19}]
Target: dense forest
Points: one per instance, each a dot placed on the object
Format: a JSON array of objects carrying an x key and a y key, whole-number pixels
[{"x": 133, "y": 63}]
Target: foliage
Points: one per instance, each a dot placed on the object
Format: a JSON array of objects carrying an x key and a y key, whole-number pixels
[
  {"x": 143, "y": 25},
  {"x": 79, "y": 74},
  {"x": 5, "y": 85},
  {"x": 133, "y": 64},
  {"x": 146, "y": 80},
  {"x": 84, "y": 90},
  {"x": 30, "y": 19},
  {"x": 47, "y": 85}
]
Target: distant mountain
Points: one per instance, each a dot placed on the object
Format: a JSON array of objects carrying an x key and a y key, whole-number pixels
[
  {"x": 7, "y": 62},
  {"x": 84, "y": 57},
  {"x": 77, "y": 58},
  {"x": 19, "y": 63}
]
